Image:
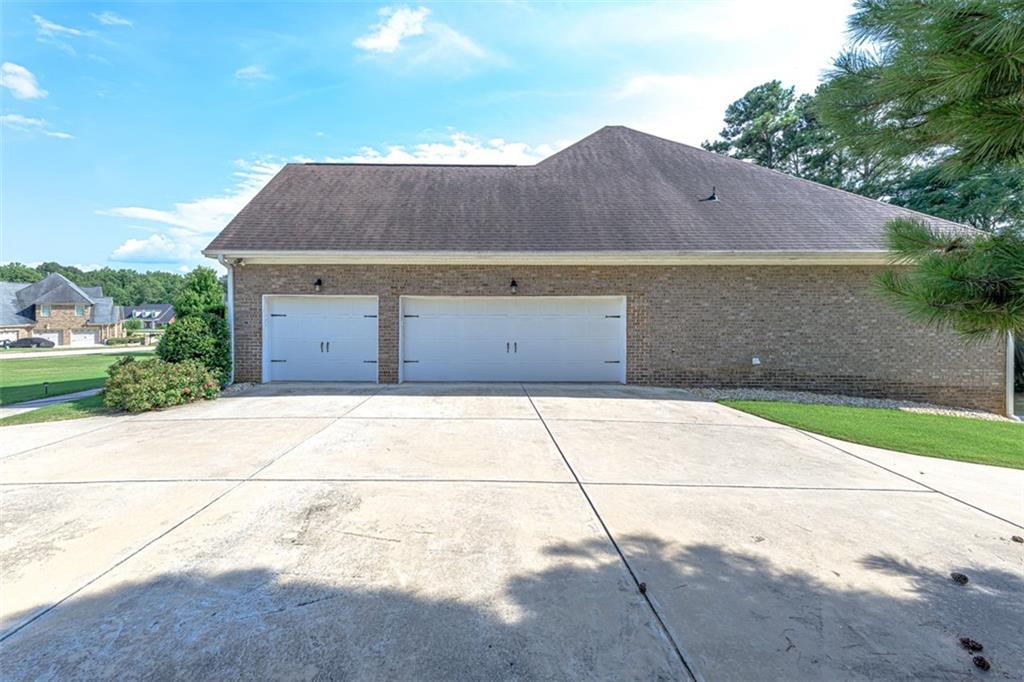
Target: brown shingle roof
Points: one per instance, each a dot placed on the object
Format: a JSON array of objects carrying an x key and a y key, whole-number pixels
[{"x": 616, "y": 190}]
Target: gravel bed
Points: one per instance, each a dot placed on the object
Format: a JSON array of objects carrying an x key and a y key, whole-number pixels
[
  {"x": 832, "y": 399},
  {"x": 236, "y": 388}
]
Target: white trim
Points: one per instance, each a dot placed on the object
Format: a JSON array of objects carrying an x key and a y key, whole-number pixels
[
  {"x": 624, "y": 312},
  {"x": 265, "y": 322},
  {"x": 879, "y": 257}
]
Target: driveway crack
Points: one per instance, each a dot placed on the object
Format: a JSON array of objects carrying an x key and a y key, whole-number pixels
[{"x": 640, "y": 587}]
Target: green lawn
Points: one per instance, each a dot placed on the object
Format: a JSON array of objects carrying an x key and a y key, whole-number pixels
[
  {"x": 23, "y": 379},
  {"x": 980, "y": 441},
  {"x": 73, "y": 409}
]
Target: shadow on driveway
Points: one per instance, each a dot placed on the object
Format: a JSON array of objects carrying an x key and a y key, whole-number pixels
[{"x": 743, "y": 614}]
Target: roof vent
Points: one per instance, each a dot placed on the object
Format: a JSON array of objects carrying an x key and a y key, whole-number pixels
[{"x": 712, "y": 197}]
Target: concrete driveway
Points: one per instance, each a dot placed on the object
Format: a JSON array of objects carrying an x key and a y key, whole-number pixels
[{"x": 495, "y": 532}]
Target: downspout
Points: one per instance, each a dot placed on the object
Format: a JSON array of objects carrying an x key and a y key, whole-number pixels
[
  {"x": 1009, "y": 376},
  {"x": 231, "y": 312}
]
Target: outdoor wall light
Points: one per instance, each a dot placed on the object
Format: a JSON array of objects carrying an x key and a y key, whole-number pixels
[
  {"x": 514, "y": 287},
  {"x": 317, "y": 285}
]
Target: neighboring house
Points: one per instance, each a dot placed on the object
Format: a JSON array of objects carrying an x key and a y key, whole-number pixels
[
  {"x": 151, "y": 315},
  {"x": 622, "y": 258},
  {"x": 55, "y": 308}
]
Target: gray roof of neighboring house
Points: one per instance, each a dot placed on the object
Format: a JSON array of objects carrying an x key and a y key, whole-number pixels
[
  {"x": 163, "y": 312},
  {"x": 10, "y": 311},
  {"x": 54, "y": 288},
  {"x": 18, "y": 298},
  {"x": 104, "y": 311},
  {"x": 616, "y": 190}
]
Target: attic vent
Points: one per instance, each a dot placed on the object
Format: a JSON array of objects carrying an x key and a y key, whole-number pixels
[{"x": 712, "y": 197}]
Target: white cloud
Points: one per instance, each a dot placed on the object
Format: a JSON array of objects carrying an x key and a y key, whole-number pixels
[
  {"x": 109, "y": 18},
  {"x": 45, "y": 27},
  {"x": 154, "y": 249},
  {"x": 460, "y": 148},
  {"x": 89, "y": 267},
  {"x": 419, "y": 39},
  {"x": 20, "y": 81},
  {"x": 32, "y": 125},
  {"x": 183, "y": 230},
  {"x": 253, "y": 72},
  {"x": 397, "y": 25}
]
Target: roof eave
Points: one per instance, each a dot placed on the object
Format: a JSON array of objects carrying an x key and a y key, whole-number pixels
[{"x": 809, "y": 257}]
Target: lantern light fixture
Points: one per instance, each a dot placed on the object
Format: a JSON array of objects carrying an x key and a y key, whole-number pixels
[
  {"x": 317, "y": 285},
  {"x": 514, "y": 287}
]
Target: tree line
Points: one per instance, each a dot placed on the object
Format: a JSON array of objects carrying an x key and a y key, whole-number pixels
[
  {"x": 126, "y": 287},
  {"x": 924, "y": 110}
]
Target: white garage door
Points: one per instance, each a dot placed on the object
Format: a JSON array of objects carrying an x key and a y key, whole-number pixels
[
  {"x": 514, "y": 339},
  {"x": 8, "y": 335},
  {"x": 320, "y": 338},
  {"x": 83, "y": 337},
  {"x": 49, "y": 336}
]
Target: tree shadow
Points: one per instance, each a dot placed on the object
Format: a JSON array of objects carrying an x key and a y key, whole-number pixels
[{"x": 735, "y": 615}]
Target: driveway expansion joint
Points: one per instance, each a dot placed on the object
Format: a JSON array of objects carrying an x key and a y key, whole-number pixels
[
  {"x": 641, "y": 587},
  {"x": 13, "y": 631},
  {"x": 912, "y": 480}
]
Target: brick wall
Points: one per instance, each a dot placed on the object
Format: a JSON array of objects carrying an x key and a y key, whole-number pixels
[
  {"x": 63, "y": 319},
  {"x": 819, "y": 328}
]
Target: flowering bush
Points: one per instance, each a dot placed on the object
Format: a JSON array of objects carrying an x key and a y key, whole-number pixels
[{"x": 139, "y": 386}]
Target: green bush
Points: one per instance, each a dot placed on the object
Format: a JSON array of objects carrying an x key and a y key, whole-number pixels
[
  {"x": 199, "y": 337},
  {"x": 123, "y": 340},
  {"x": 132, "y": 324},
  {"x": 139, "y": 386}
]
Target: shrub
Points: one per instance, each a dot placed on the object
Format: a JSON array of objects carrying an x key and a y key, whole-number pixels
[
  {"x": 202, "y": 292},
  {"x": 199, "y": 337},
  {"x": 123, "y": 340},
  {"x": 139, "y": 386},
  {"x": 132, "y": 324}
]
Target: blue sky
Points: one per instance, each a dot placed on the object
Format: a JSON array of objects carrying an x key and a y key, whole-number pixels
[{"x": 131, "y": 133}]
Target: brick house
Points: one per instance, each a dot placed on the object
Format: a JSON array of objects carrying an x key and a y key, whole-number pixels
[
  {"x": 55, "y": 308},
  {"x": 622, "y": 258}
]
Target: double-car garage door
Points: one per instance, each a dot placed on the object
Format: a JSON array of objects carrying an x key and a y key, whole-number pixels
[{"x": 558, "y": 338}]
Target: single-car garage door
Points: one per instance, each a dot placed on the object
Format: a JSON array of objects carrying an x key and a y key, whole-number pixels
[
  {"x": 49, "y": 336},
  {"x": 83, "y": 337},
  {"x": 557, "y": 338},
  {"x": 320, "y": 338}
]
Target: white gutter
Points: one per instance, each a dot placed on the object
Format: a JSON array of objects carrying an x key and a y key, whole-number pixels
[
  {"x": 230, "y": 304},
  {"x": 877, "y": 257}
]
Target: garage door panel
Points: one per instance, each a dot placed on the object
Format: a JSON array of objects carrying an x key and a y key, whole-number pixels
[
  {"x": 513, "y": 339},
  {"x": 321, "y": 338}
]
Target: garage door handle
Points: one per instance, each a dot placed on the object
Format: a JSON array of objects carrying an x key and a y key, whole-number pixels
[
  {"x": 328, "y": 346},
  {"x": 515, "y": 346},
  {"x": 506, "y": 346},
  {"x": 321, "y": 346}
]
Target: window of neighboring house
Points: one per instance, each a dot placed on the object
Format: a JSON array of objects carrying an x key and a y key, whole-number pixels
[
  {"x": 45, "y": 311},
  {"x": 79, "y": 310}
]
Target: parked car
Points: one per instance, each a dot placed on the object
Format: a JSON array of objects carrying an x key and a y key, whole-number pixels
[{"x": 30, "y": 342}]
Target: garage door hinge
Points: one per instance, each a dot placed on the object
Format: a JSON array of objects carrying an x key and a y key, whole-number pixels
[
  {"x": 611, "y": 362},
  {"x": 410, "y": 315},
  {"x": 369, "y": 316},
  {"x": 370, "y": 362},
  {"x": 278, "y": 315},
  {"x": 411, "y": 362},
  {"x": 615, "y": 316},
  {"x": 279, "y": 361}
]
